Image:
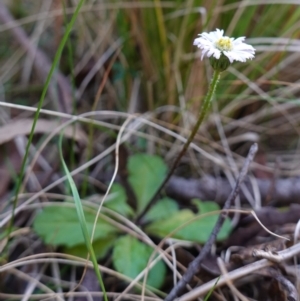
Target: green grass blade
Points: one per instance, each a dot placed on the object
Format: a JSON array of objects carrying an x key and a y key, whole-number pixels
[
  {"x": 81, "y": 219},
  {"x": 40, "y": 104},
  {"x": 211, "y": 290}
]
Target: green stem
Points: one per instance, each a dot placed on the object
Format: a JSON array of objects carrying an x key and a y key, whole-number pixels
[
  {"x": 204, "y": 110},
  {"x": 37, "y": 113},
  {"x": 205, "y": 107}
]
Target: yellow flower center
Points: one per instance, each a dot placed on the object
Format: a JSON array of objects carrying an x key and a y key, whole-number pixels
[{"x": 224, "y": 44}]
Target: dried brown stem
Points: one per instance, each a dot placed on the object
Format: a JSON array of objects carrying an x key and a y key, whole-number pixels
[
  {"x": 283, "y": 191},
  {"x": 195, "y": 265}
]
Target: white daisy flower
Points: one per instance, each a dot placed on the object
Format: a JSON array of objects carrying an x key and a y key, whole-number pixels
[{"x": 214, "y": 44}]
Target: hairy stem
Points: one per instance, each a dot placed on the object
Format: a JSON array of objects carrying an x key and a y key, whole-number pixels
[{"x": 205, "y": 107}]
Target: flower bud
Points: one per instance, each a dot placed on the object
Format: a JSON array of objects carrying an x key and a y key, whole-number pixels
[{"x": 220, "y": 64}]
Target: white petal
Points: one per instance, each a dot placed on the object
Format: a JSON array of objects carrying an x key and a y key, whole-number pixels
[
  {"x": 243, "y": 46},
  {"x": 208, "y": 37},
  {"x": 207, "y": 43},
  {"x": 239, "y": 40},
  {"x": 229, "y": 55},
  {"x": 219, "y": 33},
  {"x": 217, "y": 53}
]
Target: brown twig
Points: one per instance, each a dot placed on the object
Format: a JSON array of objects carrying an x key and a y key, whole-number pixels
[
  {"x": 195, "y": 265},
  {"x": 239, "y": 273},
  {"x": 286, "y": 190}
]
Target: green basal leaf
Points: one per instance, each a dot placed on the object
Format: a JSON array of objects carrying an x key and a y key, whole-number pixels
[
  {"x": 130, "y": 257},
  {"x": 58, "y": 225},
  {"x": 101, "y": 247},
  {"x": 118, "y": 201},
  {"x": 198, "y": 231},
  {"x": 162, "y": 209},
  {"x": 146, "y": 173},
  {"x": 205, "y": 207}
]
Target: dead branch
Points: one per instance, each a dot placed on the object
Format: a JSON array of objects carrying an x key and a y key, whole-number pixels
[
  {"x": 195, "y": 265},
  {"x": 238, "y": 273},
  {"x": 284, "y": 191}
]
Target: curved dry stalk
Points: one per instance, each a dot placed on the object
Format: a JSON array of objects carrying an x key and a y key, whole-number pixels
[
  {"x": 238, "y": 273},
  {"x": 65, "y": 259},
  {"x": 195, "y": 265},
  {"x": 139, "y": 121}
]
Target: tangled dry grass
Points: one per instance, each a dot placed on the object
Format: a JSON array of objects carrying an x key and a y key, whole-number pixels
[{"x": 133, "y": 62}]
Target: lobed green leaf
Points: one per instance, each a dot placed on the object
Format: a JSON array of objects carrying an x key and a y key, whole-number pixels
[
  {"x": 58, "y": 225},
  {"x": 130, "y": 257},
  {"x": 198, "y": 230},
  {"x": 146, "y": 173},
  {"x": 118, "y": 201}
]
